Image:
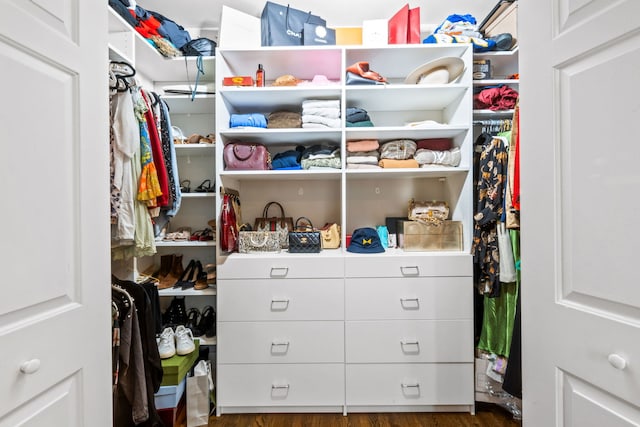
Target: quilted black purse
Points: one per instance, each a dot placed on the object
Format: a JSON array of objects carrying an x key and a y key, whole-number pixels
[{"x": 303, "y": 239}]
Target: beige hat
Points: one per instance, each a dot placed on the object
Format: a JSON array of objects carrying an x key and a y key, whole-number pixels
[{"x": 440, "y": 71}]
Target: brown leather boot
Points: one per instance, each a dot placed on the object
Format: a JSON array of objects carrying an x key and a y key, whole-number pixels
[
  {"x": 166, "y": 262},
  {"x": 174, "y": 273}
]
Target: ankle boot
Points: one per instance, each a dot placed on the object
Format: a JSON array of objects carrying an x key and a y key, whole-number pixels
[{"x": 174, "y": 274}]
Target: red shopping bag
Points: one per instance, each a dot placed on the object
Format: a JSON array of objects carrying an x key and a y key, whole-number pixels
[{"x": 404, "y": 26}]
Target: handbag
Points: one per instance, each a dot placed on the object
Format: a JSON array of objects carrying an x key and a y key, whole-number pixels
[
  {"x": 244, "y": 156},
  {"x": 284, "y": 25},
  {"x": 250, "y": 242},
  {"x": 303, "y": 239},
  {"x": 431, "y": 213},
  {"x": 404, "y": 26},
  {"x": 199, "y": 47},
  {"x": 228, "y": 229},
  {"x": 282, "y": 224},
  {"x": 330, "y": 236}
]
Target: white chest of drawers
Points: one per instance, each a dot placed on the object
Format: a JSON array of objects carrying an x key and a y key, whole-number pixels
[
  {"x": 409, "y": 334},
  {"x": 281, "y": 335}
]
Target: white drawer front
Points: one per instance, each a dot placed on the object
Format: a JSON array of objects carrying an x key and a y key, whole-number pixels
[
  {"x": 303, "y": 299},
  {"x": 409, "y": 266},
  {"x": 280, "y": 385},
  {"x": 410, "y": 384},
  {"x": 281, "y": 342},
  {"x": 410, "y": 298},
  {"x": 406, "y": 341},
  {"x": 274, "y": 266}
]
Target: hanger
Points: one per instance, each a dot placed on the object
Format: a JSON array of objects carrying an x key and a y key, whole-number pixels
[{"x": 124, "y": 73}]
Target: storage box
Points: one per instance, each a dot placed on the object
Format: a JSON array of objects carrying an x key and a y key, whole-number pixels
[
  {"x": 238, "y": 81},
  {"x": 422, "y": 237},
  {"x": 175, "y": 368},
  {"x": 349, "y": 35},
  {"x": 168, "y": 396},
  {"x": 174, "y": 417}
]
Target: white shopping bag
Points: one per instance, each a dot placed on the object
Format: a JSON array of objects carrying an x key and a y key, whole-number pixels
[{"x": 199, "y": 393}]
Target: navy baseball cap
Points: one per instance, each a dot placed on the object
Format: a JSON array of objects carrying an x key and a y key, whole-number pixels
[{"x": 365, "y": 241}]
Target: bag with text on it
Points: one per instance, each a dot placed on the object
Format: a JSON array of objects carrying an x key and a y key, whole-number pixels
[{"x": 284, "y": 26}]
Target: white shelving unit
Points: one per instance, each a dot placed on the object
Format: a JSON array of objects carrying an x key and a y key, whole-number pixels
[
  {"x": 195, "y": 162},
  {"x": 294, "y": 328}
]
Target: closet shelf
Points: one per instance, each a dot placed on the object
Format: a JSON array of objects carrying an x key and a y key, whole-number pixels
[
  {"x": 184, "y": 244},
  {"x": 183, "y": 104},
  {"x": 276, "y": 136},
  {"x": 170, "y": 292},
  {"x": 489, "y": 114},
  {"x": 208, "y": 341},
  {"x": 199, "y": 195},
  {"x": 497, "y": 53},
  {"x": 254, "y": 99},
  {"x": 493, "y": 82},
  {"x": 195, "y": 149},
  {"x": 405, "y": 97},
  {"x": 283, "y": 175},
  {"x": 406, "y": 132},
  {"x": 126, "y": 44},
  {"x": 387, "y": 174}
]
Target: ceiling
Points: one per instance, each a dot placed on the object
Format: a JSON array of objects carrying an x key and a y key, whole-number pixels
[{"x": 205, "y": 14}]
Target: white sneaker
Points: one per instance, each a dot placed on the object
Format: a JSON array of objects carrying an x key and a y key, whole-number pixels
[
  {"x": 167, "y": 345},
  {"x": 184, "y": 340}
]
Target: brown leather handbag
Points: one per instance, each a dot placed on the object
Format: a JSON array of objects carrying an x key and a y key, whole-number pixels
[
  {"x": 282, "y": 224},
  {"x": 246, "y": 156}
]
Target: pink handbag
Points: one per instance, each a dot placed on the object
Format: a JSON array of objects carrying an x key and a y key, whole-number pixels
[{"x": 246, "y": 156}]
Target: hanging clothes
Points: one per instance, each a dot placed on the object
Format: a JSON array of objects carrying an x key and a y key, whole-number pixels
[
  {"x": 169, "y": 152},
  {"x": 148, "y": 185},
  {"x": 492, "y": 173},
  {"x": 158, "y": 156}
]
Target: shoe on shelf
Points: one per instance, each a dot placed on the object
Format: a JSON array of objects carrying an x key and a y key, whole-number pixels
[
  {"x": 201, "y": 278},
  {"x": 205, "y": 187},
  {"x": 188, "y": 278},
  {"x": 208, "y": 322},
  {"x": 166, "y": 344},
  {"x": 184, "y": 341},
  {"x": 176, "y": 313},
  {"x": 193, "y": 318}
]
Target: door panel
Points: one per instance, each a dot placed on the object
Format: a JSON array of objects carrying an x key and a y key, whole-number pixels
[
  {"x": 580, "y": 111},
  {"x": 586, "y": 405},
  {"x": 54, "y": 269}
]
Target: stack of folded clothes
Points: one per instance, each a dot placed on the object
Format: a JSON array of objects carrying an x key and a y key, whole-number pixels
[
  {"x": 357, "y": 117},
  {"x": 437, "y": 151},
  {"x": 321, "y": 156},
  {"x": 255, "y": 120},
  {"x": 288, "y": 160},
  {"x": 398, "y": 153},
  {"x": 321, "y": 113},
  {"x": 363, "y": 154}
]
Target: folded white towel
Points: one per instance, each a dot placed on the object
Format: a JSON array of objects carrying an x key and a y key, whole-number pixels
[
  {"x": 321, "y": 103},
  {"x": 332, "y": 123},
  {"x": 332, "y": 113}
]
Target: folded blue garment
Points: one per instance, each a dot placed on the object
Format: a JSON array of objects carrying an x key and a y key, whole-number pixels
[
  {"x": 248, "y": 120},
  {"x": 286, "y": 159}
]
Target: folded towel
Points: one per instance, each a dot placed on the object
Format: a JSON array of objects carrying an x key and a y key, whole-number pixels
[
  {"x": 362, "y": 145},
  {"x": 393, "y": 164},
  {"x": 371, "y": 160},
  {"x": 332, "y": 113},
  {"x": 248, "y": 120},
  {"x": 321, "y": 103},
  {"x": 315, "y": 126},
  {"x": 332, "y": 123}
]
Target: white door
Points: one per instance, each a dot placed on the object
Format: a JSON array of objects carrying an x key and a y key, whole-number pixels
[
  {"x": 580, "y": 159},
  {"x": 55, "y": 361}
]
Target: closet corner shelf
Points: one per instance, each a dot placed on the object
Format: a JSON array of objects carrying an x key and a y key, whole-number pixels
[
  {"x": 183, "y": 243},
  {"x": 512, "y": 52},
  {"x": 127, "y": 45},
  {"x": 287, "y": 175},
  {"x": 170, "y": 292},
  {"x": 431, "y": 173}
]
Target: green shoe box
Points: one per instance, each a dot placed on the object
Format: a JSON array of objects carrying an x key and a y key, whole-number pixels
[{"x": 175, "y": 368}]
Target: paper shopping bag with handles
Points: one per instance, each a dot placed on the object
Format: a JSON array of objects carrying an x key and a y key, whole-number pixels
[
  {"x": 199, "y": 394},
  {"x": 404, "y": 26},
  {"x": 284, "y": 26}
]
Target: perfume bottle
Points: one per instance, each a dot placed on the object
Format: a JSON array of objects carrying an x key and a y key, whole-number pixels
[{"x": 260, "y": 76}]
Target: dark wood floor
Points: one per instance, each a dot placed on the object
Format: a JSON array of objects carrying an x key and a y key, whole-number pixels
[{"x": 487, "y": 415}]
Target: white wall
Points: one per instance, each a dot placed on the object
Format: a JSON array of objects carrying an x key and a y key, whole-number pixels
[{"x": 338, "y": 13}]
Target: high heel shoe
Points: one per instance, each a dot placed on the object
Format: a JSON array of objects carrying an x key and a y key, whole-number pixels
[
  {"x": 193, "y": 318},
  {"x": 201, "y": 278},
  {"x": 188, "y": 278}
]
